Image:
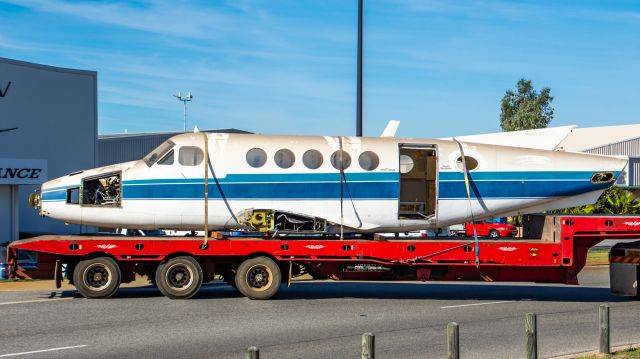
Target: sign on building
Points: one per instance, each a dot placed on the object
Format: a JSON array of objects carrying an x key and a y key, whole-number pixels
[{"x": 18, "y": 171}]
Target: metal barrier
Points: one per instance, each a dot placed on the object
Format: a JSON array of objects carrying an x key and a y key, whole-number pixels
[{"x": 453, "y": 338}]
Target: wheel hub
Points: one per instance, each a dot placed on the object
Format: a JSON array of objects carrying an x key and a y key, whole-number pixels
[
  {"x": 258, "y": 277},
  {"x": 97, "y": 277},
  {"x": 178, "y": 276}
]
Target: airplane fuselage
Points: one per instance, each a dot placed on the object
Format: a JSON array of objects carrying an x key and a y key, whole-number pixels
[{"x": 362, "y": 184}]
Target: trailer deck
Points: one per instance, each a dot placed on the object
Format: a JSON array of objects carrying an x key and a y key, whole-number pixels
[{"x": 554, "y": 250}]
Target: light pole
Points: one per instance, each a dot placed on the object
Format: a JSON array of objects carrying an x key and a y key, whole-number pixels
[{"x": 184, "y": 100}]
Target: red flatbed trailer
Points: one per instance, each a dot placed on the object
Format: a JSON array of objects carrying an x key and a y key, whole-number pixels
[{"x": 554, "y": 251}]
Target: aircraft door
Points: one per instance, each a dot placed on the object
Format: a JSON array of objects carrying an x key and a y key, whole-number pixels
[{"x": 418, "y": 182}]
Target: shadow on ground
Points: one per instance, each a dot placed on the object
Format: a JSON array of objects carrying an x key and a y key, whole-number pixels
[{"x": 318, "y": 290}]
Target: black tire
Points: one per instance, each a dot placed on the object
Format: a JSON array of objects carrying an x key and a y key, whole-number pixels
[
  {"x": 258, "y": 278},
  {"x": 97, "y": 277},
  {"x": 494, "y": 234},
  {"x": 179, "y": 277}
]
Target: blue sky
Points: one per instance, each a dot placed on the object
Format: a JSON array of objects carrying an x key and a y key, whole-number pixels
[{"x": 440, "y": 67}]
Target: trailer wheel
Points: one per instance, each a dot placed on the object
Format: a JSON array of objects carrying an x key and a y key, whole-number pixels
[
  {"x": 494, "y": 234},
  {"x": 258, "y": 278},
  {"x": 97, "y": 277},
  {"x": 179, "y": 278}
]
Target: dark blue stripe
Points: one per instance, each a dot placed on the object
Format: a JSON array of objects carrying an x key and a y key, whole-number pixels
[
  {"x": 359, "y": 190},
  {"x": 292, "y": 177},
  {"x": 383, "y": 185},
  {"x": 531, "y": 175},
  {"x": 517, "y": 189}
]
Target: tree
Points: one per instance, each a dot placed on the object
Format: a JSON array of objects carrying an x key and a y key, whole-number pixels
[
  {"x": 617, "y": 201},
  {"x": 526, "y": 109},
  {"x": 612, "y": 201}
]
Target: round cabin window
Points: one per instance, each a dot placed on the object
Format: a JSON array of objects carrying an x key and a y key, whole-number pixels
[
  {"x": 256, "y": 157},
  {"x": 335, "y": 160},
  {"x": 472, "y": 163},
  {"x": 406, "y": 163},
  {"x": 284, "y": 158},
  {"x": 368, "y": 160},
  {"x": 312, "y": 159}
]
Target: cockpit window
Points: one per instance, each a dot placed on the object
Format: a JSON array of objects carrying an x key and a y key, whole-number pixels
[
  {"x": 167, "y": 159},
  {"x": 156, "y": 154}
]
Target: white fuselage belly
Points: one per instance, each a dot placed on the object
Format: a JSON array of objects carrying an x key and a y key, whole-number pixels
[{"x": 506, "y": 181}]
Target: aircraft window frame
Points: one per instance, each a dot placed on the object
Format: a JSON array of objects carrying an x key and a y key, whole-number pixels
[
  {"x": 408, "y": 164},
  {"x": 312, "y": 159},
  {"x": 471, "y": 165},
  {"x": 282, "y": 161},
  {"x": 261, "y": 157},
  {"x": 371, "y": 157},
  {"x": 197, "y": 156},
  {"x": 169, "y": 156},
  {"x": 70, "y": 198},
  {"x": 153, "y": 156},
  {"x": 346, "y": 159}
]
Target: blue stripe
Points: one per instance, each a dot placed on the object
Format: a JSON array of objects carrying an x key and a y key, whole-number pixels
[
  {"x": 518, "y": 176},
  {"x": 371, "y": 185},
  {"x": 273, "y": 178},
  {"x": 359, "y": 190}
]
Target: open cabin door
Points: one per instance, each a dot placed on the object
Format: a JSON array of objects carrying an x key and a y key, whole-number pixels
[{"x": 418, "y": 181}]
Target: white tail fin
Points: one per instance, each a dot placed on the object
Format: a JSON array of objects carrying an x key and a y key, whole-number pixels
[{"x": 391, "y": 129}]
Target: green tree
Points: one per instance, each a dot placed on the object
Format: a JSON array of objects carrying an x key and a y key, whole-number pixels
[
  {"x": 612, "y": 201},
  {"x": 526, "y": 108},
  {"x": 617, "y": 201}
]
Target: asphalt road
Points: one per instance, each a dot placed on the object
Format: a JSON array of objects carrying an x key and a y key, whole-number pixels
[{"x": 316, "y": 320}]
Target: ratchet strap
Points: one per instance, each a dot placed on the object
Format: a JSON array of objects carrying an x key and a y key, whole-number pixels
[
  {"x": 466, "y": 184},
  {"x": 205, "y": 243},
  {"x": 341, "y": 191}
]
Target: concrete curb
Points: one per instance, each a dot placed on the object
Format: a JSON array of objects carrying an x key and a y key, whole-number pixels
[{"x": 595, "y": 352}]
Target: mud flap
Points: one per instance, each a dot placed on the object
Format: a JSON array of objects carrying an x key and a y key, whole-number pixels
[
  {"x": 624, "y": 278},
  {"x": 57, "y": 274}
]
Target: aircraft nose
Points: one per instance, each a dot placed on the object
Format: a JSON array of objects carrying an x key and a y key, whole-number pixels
[{"x": 34, "y": 200}]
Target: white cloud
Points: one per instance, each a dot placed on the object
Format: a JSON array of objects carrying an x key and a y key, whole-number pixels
[{"x": 160, "y": 17}]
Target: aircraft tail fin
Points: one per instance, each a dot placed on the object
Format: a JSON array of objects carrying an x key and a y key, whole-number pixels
[{"x": 391, "y": 129}]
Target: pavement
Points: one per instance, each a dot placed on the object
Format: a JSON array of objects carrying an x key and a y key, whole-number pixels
[{"x": 316, "y": 319}]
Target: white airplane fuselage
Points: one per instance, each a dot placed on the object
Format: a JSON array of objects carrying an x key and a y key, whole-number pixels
[{"x": 388, "y": 184}]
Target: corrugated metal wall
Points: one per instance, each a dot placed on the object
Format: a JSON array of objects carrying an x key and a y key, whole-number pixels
[
  {"x": 629, "y": 148},
  {"x": 130, "y": 147},
  {"x": 633, "y": 171}
]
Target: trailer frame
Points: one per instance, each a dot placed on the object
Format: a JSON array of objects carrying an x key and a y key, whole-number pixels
[{"x": 554, "y": 252}]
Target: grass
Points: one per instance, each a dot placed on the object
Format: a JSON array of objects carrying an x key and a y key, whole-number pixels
[
  {"x": 598, "y": 257},
  {"x": 623, "y": 354}
]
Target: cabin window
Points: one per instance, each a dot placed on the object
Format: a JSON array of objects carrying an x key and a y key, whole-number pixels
[
  {"x": 102, "y": 190},
  {"x": 335, "y": 160},
  {"x": 190, "y": 156},
  {"x": 156, "y": 154},
  {"x": 472, "y": 163},
  {"x": 256, "y": 157},
  {"x": 368, "y": 160},
  {"x": 284, "y": 158},
  {"x": 73, "y": 195},
  {"x": 406, "y": 163},
  {"x": 312, "y": 159},
  {"x": 167, "y": 159}
]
